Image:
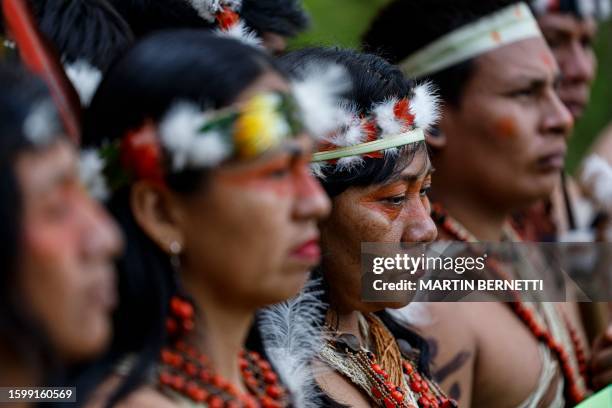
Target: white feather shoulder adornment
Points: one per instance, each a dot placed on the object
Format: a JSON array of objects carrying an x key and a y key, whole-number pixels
[{"x": 292, "y": 337}]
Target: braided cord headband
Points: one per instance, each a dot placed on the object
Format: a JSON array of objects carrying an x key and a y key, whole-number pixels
[
  {"x": 511, "y": 24},
  {"x": 389, "y": 142}
]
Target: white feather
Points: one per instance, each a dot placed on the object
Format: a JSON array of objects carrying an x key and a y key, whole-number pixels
[
  {"x": 206, "y": 8},
  {"x": 351, "y": 135},
  {"x": 91, "y": 168},
  {"x": 386, "y": 120},
  {"x": 241, "y": 33},
  {"x": 391, "y": 152},
  {"x": 318, "y": 89},
  {"x": 42, "y": 125},
  {"x": 178, "y": 130},
  {"x": 208, "y": 150},
  {"x": 292, "y": 338},
  {"x": 597, "y": 178},
  {"x": 349, "y": 163},
  {"x": 425, "y": 106},
  {"x": 85, "y": 79},
  {"x": 317, "y": 169}
]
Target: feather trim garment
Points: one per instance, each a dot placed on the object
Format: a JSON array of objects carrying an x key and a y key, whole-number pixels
[{"x": 292, "y": 337}]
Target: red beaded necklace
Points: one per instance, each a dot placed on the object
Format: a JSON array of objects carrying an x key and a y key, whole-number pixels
[
  {"x": 421, "y": 392},
  {"x": 526, "y": 315},
  {"x": 187, "y": 372}
]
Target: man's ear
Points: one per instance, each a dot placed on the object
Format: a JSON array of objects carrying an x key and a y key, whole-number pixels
[{"x": 158, "y": 213}]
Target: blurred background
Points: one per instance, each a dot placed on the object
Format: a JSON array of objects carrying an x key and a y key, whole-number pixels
[{"x": 343, "y": 21}]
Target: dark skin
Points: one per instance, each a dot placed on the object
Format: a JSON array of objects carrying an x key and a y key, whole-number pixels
[
  {"x": 393, "y": 212},
  {"x": 571, "y": 40},
  {"x": 256, "y": 215},
  {"x": 509, "y": 115}
]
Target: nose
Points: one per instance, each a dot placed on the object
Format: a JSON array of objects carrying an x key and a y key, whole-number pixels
[
  {"x": 311, "y": 201},
  {"x": 557, "y": 118},
  {"x": 419, "y": 227},
  {"x": 579, "y": 64},
  {"x": 101, "y": 237}
]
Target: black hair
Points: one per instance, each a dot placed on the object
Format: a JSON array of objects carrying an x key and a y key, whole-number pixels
[
  {"x": 405, "y": 26},
  {"x": 89, "y": 30},
  {"x": 167, "y": 67},
  {"x": 284, "y": 17},
  {"x": 24, "y": 337},
  {"x": 148, "y": 16},
  {"x": 374, "y": 80}
]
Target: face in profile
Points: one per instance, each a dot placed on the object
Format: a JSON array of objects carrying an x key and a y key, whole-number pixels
[
  {"x": 68, "y": 244},
  {"x": 250, "y": 235},
  {"x": 571, "y": 41},
  {"x": 392, "y": 212},
  {"x": 506, "y": 141}
]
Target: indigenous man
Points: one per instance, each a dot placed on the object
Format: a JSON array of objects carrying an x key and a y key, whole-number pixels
[{"x": 500, "y": 147}]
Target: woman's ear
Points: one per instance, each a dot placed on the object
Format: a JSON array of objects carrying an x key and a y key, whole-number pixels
[{"x": 158, "y": 213}]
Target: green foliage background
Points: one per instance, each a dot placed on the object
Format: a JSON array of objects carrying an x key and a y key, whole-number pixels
[{"x": 341, "y": 22}]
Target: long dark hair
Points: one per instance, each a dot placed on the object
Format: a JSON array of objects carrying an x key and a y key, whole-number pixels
[
  {"x": 374, "y": 80},
  {"x": 186, "y": 65},
  {"x": 24, "y": 337}
]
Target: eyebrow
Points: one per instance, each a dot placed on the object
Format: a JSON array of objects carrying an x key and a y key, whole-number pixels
[
  {"x": 538, "y": 82},
  {"x": 424, "y": 172}
]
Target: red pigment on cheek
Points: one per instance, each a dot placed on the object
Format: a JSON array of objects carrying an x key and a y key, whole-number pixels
[
  {"x": 374, "y": 201},
  {"x": 547, "y": 59},
  {"x": 505, "y": 127},
  {"x": 388, "y": 211}
]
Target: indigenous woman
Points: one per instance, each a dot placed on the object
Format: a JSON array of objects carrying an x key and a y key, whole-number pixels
[
  {"x": 377, "y": 172},
  {"x": 500, "y": 147},
  {"x": 57, "y": 283},
  {"x": 205, "y": 161}
]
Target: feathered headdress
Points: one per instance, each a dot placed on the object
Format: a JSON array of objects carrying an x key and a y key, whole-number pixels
[
  {"x": 225, "y": 14},
  {"x": 389, "y": 125},
  {"x": 189, "y": 138}
]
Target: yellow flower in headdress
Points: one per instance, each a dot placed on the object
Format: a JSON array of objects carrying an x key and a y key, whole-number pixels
[{"x": 260, "y": 125}]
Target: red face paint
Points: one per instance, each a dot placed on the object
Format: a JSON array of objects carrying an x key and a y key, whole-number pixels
[
  {"x": 547, "y": 59},
  {"x": 269, "y": 176},
  {"x": 376, "y": 200},
  {"x": 505, "y": 127}
]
